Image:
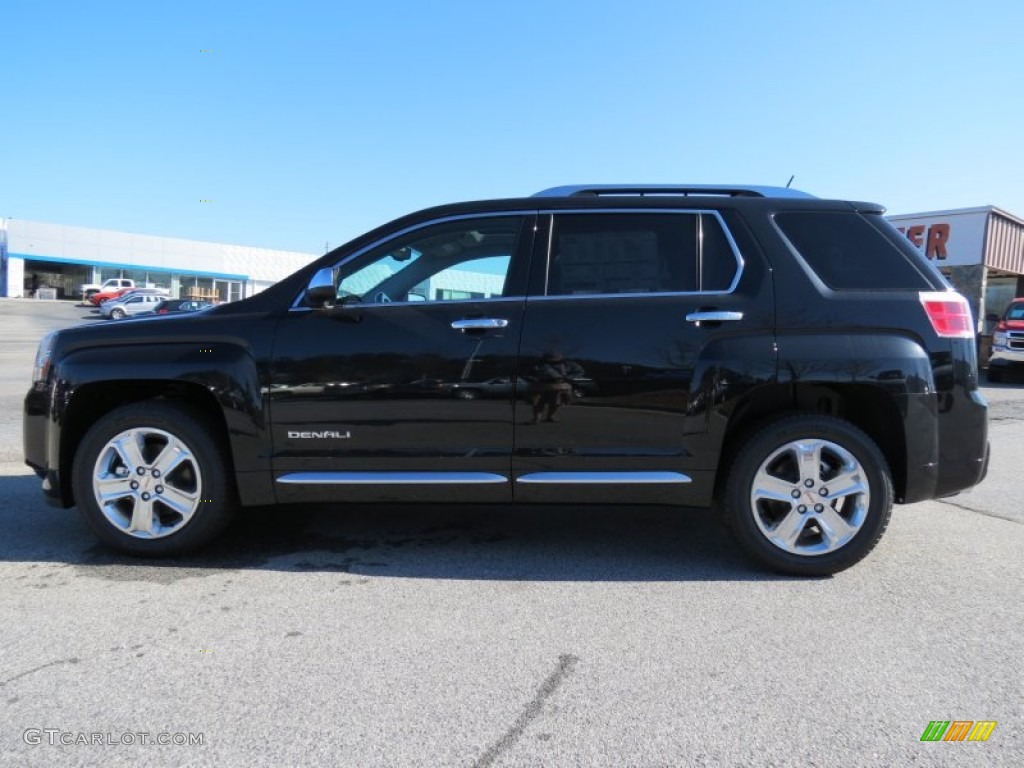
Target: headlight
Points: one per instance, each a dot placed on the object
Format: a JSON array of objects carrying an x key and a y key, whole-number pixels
[{"x": 42, "y": 365}]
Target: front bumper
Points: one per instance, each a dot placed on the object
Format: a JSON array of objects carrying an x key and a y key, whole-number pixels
[
  {"x": 1007, "y": 350},
  {"x": 37, "y": 436}
]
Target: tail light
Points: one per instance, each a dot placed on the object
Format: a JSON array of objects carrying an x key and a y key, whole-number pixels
[{"x": 949, "y": 314}]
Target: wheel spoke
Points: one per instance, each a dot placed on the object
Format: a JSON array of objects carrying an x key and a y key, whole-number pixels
[
  {"x": 128, "y": 448},
  {"x": 834, "y": 529},
  {"x": 171, "y": 457},
  {"x": 113, "y": 488},
  {"x": 789, "y": 529},
  {"x": 808, "y": 456},
  {"x": 142, "y": 517},
  {"x": 182, "y": 502},
  {"x": 846, "y": 483},
  {"x": 774, "y": 488}
]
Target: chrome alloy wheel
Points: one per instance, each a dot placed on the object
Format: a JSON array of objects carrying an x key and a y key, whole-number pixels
[
  {"x": 810, "y": 497},
  {"x": 147, "y": 483}
]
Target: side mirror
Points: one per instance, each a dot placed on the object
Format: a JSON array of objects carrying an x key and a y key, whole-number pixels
[
  {"x": 321, "y": 290},
  {"x": 991, "y": 317}
]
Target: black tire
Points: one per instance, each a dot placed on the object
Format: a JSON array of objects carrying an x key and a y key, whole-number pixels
[
  {"x": 771, "y": 453},
  {"x": 993, "y": 375},
  {"x": 117, "y": 313},
  {"x": 466, "y": 394},
  {"x": 205, "y": 475}
]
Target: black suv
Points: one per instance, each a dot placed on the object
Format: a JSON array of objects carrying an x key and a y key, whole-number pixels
[{"x": 793, "y": 361}]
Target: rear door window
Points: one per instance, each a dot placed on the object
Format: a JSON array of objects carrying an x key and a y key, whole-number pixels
[{"x": 636, "y": 253}]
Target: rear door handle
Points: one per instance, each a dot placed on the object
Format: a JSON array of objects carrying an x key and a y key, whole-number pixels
[
  {"x": 713, "y": 316},
  {"x": 479, "y": 323}
]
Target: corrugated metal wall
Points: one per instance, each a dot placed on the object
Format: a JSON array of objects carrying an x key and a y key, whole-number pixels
[{"x": 1004, "y": 243}]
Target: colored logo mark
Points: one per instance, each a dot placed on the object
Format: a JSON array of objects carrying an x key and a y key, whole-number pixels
[{"x": 958, "y": 730}]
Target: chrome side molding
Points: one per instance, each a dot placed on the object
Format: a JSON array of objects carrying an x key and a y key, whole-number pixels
[
  {"x": 476, "y": 478},
  {"x": 390, "y": 478},
  {"x": 587, "y": 478}
]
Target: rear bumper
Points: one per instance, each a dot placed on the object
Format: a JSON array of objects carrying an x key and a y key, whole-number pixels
[{"x": 963, "y": 444}]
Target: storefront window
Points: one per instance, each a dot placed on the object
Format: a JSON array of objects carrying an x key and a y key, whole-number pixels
[
  {"x": 108, "y": 273},
  {"x": 999, "y": 292}
]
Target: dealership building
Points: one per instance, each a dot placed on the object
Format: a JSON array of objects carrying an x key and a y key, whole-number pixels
[{"x": 35, "y": 254}]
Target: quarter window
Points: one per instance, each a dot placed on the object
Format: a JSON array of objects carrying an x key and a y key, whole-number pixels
[
  {"x": 848, "y": 253},
  {"x": 639, "y": 253}
]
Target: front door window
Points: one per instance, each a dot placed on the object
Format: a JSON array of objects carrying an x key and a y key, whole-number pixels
[{"x": 456, "y": 261}]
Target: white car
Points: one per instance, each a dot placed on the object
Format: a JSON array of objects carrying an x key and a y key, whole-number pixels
[{"x": 132, "y": 304}]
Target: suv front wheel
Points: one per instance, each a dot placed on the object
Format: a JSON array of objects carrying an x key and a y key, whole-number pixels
[
  {"x": 151, "y": 479},
  {"x": 809, "y": 495}
]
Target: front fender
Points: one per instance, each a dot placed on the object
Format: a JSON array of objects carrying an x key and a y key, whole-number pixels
[
  {"x": 225, "y": 370},
  {"x": 220, "y": 377}
]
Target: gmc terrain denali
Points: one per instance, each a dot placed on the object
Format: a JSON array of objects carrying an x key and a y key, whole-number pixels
[{"x": 793, "y": 361}]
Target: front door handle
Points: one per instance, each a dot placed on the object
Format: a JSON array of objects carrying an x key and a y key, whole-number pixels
[
  {"x": 479, "y": 323},
  {"x": 713, "y": 316}
]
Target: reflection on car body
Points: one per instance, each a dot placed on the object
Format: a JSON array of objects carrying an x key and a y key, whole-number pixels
[{"x": 500, "y": 386}]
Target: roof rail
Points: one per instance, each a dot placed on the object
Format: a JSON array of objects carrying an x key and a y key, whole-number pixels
[{"x": 729, "y": 190}]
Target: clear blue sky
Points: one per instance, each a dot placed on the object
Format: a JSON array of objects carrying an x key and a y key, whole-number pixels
[{"x": 310, "y": 122}]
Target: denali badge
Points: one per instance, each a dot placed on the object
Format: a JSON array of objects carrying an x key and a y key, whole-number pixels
[{"x": 313, "y": 435}]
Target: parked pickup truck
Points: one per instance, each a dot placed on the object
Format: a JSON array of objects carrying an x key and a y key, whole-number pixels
[{"x": 88, "y": 290}]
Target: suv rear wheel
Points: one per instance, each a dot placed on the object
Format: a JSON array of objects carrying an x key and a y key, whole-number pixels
[
  {"x": 809, "y": 495},
  {"x": 151, "y": 479}
]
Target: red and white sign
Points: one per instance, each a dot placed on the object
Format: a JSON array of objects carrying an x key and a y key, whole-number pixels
[{"x": 949, "y": 238}]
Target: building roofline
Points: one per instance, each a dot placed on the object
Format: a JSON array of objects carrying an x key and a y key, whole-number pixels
[
  {"x": 1007, "y": 215},
  {"x": 948, "y": 212},
  {"x": 8, "y": 219},
  {"x": 959, "y": 211}
]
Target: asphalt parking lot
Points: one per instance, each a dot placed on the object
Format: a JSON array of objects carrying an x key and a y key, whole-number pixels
[{"x": 508, "y": 636}]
